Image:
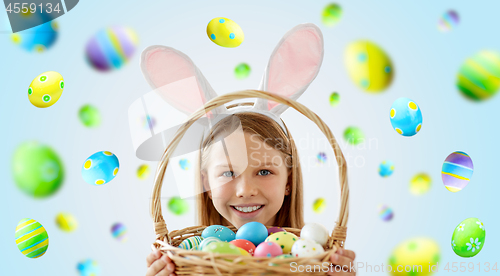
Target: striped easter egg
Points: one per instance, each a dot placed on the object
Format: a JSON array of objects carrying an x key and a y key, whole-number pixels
[
  {"x": 457, "y": 171},
  {"x": 31, "y": 238},
  {"x": 479, "y": 77},
  {"x": 119, "y": 232},
  {"x": 191, "y": 243}
]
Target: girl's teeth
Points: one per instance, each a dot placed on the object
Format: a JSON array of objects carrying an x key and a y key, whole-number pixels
[{"x": 247, "y": 209}]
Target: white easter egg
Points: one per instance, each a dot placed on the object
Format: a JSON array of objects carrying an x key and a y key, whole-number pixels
[
  {"x": 316, "y": 232},
  {"x": 306, "y": 248}
]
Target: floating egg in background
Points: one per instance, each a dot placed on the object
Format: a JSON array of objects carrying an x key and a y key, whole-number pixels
[
  {"x": 119, "y": 232},
  {"x": 242, "y": 71},
  {"x": 143, "y": 171},
  {"x": 331, "y": 14},
  {"x": 284, "y": 239},
  {"x": 316, "y": 232},
  {"x": 406, "y": 117},
  {"x": 448, "y": 21},
  {"x": 111, "y": 48},
  {"x": 385, "y": 212},
  {"x": 37, "y": 169},
  {"x": 46, "y": 89},
  {"x": 39, "y": 38},
  {"x": 225, "y": 32},
  {"x": 369, "y": 66},
  {"x": 185, "y": 164},
  {"x": 479, "y": 76},
  {"x": 31, "y": 238},
  {"x": 321, "y": 158},
  {"x": 178, "y": 206},
  {"x": 248, "y": 246},
  {"x": 221, "y": 232},
  {"x": 353, "y": 135},
  {"x": 420, "y": 184},
  {"x": 457, "y": 171},
  {"x": 268, "y": 249},
  {"x": 306, "y": 248},
  {"x": 100, "y": 168},
  {"x": 147, "y": 122},
  {"x": 334, "y": 99},
  {"x": 88, "y": 267},
  {"x": 468, "y": 238},
  {"x": 415, "y": 252},
  {"x": 319, "y": 205},
  {"x": 206, "y": 241},
  {"x": 272, "y": 230},
  {"x": 89, "y": 115},
  {"x": 386, "y": 168},
  {"x": 222, "y": 247},
  {"x": 191, "y": 243},
  {"x": 66, "y": 222},
  {"x": 253, "y": 231}
]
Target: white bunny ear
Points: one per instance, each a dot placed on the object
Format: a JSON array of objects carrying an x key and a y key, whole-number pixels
[
  {"x": 176, "y": 79},
  {"x": 294, "y": 64}
]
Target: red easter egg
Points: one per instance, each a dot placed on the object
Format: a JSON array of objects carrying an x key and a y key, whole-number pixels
[{"x": 245, "y": 245}]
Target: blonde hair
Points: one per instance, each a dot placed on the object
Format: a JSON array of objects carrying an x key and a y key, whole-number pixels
[{"x": 269, "y": 131}]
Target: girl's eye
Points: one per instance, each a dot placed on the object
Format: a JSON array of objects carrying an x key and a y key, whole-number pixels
[
  {"x": 227, "y": 175},
  {"x": 268, "y": 172}
]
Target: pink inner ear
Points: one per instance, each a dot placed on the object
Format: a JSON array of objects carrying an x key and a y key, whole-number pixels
[
  {"x": 175, "y": 78},
  {"x": 294, "y": 64}
]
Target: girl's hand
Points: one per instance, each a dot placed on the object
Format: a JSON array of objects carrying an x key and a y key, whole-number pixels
[
  {"x": 159, "y": 265},
  {"x": 344, "y": 260}
]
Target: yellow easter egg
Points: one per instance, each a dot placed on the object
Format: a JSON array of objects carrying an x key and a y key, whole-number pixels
[
  {"x": 46, "y": 89},
  {"x": 225, "y": 32},
  {"x": 417, "y": 256},
  {"x": 369, "y": 66},
  {"x": 284, "y": 239},
  {"x": 66, "y": 222}
]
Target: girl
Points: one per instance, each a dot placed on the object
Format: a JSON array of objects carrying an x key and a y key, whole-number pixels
[{"x": 255, "y": 174}]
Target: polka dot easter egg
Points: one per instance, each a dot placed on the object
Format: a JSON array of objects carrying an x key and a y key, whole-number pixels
[
  {"x": 100, "y": 168},
  {"x": 206, "y": 241},
  {"x": 88, "y": 267},
  {"x": 225, "y": 32},
  {"x": 39, "y": 38},
  {"x": 218, "y": 231},
  {"x": 284, "y": 239},
  {"x": 244, "y": 244},
  {"x": 254, "y": 232},
  {"x": 386, "y": 168},
  {"x": 479, "y": 76},
  {"x": 66, "y": 222},
  {"x": 316, "y": 232},
  {"x": 457, "y": 171},
  {"x": 414, "y": 252},
  {"x": 268, "y": 249},
  {"x": 306, "y": 248},
  {"x": 31, "y": 238},
  {"x": 46, "y": 89},
  {"x": 191, "y": 243},
  {"x": 406, "y": 117},
  {"x": 468, "y": 238}
]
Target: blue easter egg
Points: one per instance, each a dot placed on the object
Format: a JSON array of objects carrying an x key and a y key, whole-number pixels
[
  {"x": 37, "y": 39},
  {"x": 386, "y": 168},
  {"x": 218, "y": 231},
  {"x": 406, "y": 117},
  {"x": 254, "y": 232},
  {"x": 100, "y": 168}
]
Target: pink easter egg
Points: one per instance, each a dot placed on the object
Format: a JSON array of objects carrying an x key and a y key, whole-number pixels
[{"x": 268, "y": 249}]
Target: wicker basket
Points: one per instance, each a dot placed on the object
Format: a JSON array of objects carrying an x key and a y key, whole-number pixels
[{"x": 189, "y": 262}]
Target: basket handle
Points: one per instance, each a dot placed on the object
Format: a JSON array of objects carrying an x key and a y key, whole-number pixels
[{"x": 338, "y": 235}]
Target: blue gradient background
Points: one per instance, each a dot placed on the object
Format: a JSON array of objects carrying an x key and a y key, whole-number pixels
[{"x": 426, "y": 62}]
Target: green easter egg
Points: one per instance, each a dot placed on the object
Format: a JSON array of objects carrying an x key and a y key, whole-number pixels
[
  {"x": 222, "y": 247},
  {"x": 479, "y": 77},
  {"x": 89, "y": 116},
  {"x": 334, "y": 99},
  {"x": 242, "y": 71},
  {"x": 178, "y": 206},
  {"x": 354, "y": 135},
  {"x": 468, "y": 238}
]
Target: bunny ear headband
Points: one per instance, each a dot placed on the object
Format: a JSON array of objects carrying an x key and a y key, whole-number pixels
[{"x": 294, "y": 64}]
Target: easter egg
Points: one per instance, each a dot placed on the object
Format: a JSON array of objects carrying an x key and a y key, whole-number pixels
[
  {"x": 353, "y": 135},
  {"x": 268, "y": 249},
  {"x": 185, "y": 164},
  {"x": 222, "y": 247},
  {"x": 46, "y": 89},
  {"x": 369, "y": 66},
  {"x": 321, "y": 158},
  {"x": 100, "y": 168},
  {"x": 89, "y": 116},
  {"x": 244, "y": 244},
  {"x": 119, "y": 232},
  {"x": 37, "y": 39},
  {"x": 225, "y": 32},
  {"x": 253, "y": 231},
  {"x": 244, "y": 252},
  {"x": 191, "y": 243},
  {"x": 242, "y": 71},
  {"x": 386, "y": 168},
  {"x": 143, "y": 171},
  {"x": 221, "y": 232},
  {"x": 206, "y": 241},
  {"x": 31, "y": 238},
  {"x": 415, "y": 252},
  {"x": 385, "y": 212},
  {"x": 66, "y": 222},
  {"x": 111, "y": 48},
  {"x": 420, "y": 184},
  {"x": 406, "y": 117},
  {"x": 306, "y": 248},
  {"x": 284, "y": 239},
  {"x": 457, "y": 171},
  {"x": 37, "y": 169},
  {"x": 331, "y": 14},
  {"x": 479, "y": 76},
  {"x": 88, "y": 267},
  {"x": 272, "y": 230},
  {"x": 316, "y": 232},
  {"x": 319, "y": 205},
  {"x": 448, "y": 21},
  {"x": 468, "y": 238},
  {"x": 334, "y": 99},
  {"x": 178, "y": 206}
]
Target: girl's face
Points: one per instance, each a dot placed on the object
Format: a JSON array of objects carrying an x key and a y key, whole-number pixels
[{"x": 255, "y": 178}]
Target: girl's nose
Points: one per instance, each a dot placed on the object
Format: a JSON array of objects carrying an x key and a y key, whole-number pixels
[{"x": 246, "y": 187}]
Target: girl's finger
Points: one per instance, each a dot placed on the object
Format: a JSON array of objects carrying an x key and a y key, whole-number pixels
[
  {"x": 155, "y": 268},
  {"x": 347, "y": 253},
  {"x": 342, "y": 261},
  {"x": 153, "y": 256}
]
